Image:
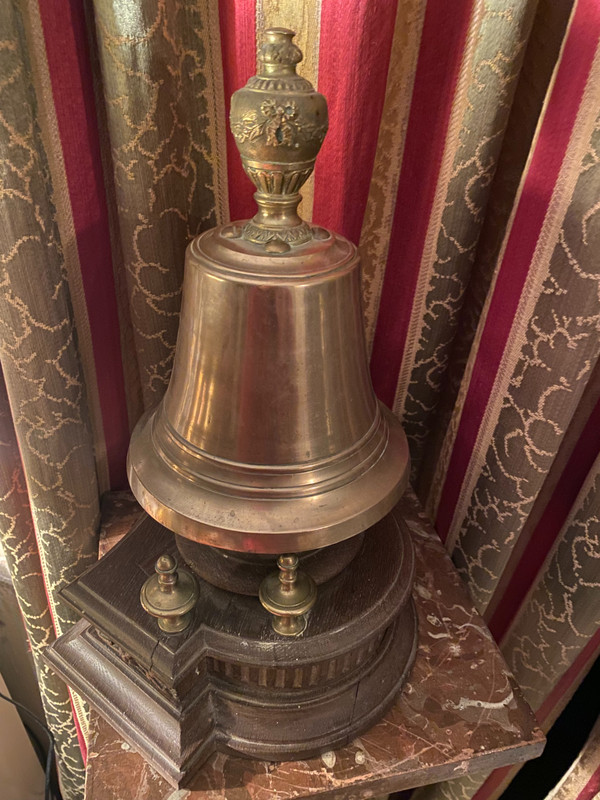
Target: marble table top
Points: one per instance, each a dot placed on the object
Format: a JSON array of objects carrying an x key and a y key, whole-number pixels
[{"x": 460, "y": 711}]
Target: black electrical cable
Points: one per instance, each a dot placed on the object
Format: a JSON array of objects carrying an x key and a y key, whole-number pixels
[
  {"x": 50, "y": 756},
  {"x": 34, "y": 738}
]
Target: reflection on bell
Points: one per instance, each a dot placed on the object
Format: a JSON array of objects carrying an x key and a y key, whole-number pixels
[{"x": 270, "y": 438}]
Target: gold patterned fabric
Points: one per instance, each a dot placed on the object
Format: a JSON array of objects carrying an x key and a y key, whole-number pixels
[
  {"x": 462, "y": 158},
  {"x": 165, "y": 120},
  {"x": 49, "y": 485},
  {"x": 20, "y": 547}
]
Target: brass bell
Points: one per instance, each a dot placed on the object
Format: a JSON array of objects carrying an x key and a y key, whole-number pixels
[{"x": 270, "y": 438}]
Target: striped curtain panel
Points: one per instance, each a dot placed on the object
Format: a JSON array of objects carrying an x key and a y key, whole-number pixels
[{"x": 463, "y": 158}]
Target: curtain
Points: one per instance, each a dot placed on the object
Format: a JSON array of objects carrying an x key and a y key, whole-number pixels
[{"x": 462, "y": 158}]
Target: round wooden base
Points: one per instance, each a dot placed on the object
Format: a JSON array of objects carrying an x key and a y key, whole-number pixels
[
  {"x": 229, "y": 681},
  {"x": 278, "y": 725},
  {"x": 242, "y": 573},
  {"x": 281, "y": 697}
]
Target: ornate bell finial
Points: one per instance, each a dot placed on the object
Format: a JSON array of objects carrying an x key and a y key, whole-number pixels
[{"x": 279, "y": 122}]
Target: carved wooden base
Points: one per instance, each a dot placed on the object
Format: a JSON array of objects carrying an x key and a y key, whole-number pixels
[
  {"x": 230, "y": 682},
  {"x": 243, "y": 573}
]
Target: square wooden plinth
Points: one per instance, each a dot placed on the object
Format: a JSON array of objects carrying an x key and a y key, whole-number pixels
[{"x": 460, "y": 712}]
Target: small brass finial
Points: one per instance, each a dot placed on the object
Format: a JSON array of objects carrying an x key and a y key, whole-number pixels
[
  {"x": 279, "y": 122},
  {"x": 288, "y": 595},
  {"x": 278, "y": 52},
  {"x": 170, "y": 595}
]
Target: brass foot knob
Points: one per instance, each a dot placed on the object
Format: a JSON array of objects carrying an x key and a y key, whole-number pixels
[
  {"x": 288, "y": 595},
  {"x": 170, "y": 595}
]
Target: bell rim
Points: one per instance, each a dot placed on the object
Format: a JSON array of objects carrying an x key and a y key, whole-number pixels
[
  {"x": 285, "y": 481},
  {"x": 210, "y": 517}
]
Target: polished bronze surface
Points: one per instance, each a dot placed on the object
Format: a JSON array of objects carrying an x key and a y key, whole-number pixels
[
  {"x": 288, "y": 595},
  {"x": 270, "y": 438},
  {"x": 169, "y": 595}
]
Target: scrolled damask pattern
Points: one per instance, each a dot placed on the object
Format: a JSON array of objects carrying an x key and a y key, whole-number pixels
[
  {"x": 542, "y": 51},
  {"x": 501, "y": 37},
  {"x": 163, "y": 121},
  {"x": 561, "y": 346},
  {"x": 162, "y": 83},
  {"x": 38, "y": 346},
  {"x": 561, "y": 613},
  {"x": 17, "y": 536},
  {"x": 52, "y": 544}
]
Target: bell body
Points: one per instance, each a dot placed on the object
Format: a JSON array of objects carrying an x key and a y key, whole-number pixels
[
  {"x": 269, "y": 438},
  {"x": 270, "y": 363}
]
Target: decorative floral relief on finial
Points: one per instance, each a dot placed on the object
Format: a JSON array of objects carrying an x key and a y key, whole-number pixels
[
  {"x": 284, "y": 52},
  {"x": 279, "y": 124}
]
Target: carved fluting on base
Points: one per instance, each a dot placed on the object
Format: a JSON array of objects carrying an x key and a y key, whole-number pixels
[
  {"x": 460, "y": 713},
  {"x": 269, "y": 441},
  {"x": 303, "y": 677}
]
